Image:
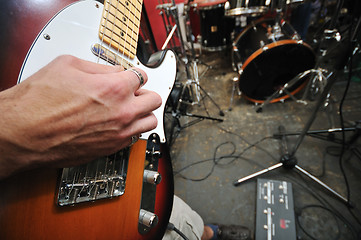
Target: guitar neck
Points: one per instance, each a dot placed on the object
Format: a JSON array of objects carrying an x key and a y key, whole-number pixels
[{"x": 119, "y": 25}]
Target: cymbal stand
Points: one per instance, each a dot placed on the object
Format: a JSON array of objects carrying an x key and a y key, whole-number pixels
[
  {"x": 192, "y": 83},
  {"x": 190, "y": 38},
  {"x": 288, "y": 159},
  {"x": 166, "y": 11}
]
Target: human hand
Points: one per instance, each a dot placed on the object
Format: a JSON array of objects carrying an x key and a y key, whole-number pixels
[{"x": 70, "y": 112}]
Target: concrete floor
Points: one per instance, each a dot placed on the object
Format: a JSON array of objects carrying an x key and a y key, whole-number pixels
[{"x": 209, "y": 156}]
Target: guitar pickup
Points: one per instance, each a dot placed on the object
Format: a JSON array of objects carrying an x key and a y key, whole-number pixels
[{"x": 109, "y": 56}]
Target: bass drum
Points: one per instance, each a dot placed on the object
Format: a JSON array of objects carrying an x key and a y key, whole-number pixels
[{"x": 268, "y": 55}]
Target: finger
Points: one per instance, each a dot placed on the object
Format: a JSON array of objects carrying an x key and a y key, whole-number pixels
[
  {"x": 142, "y": 125},
  {"x": 89, "y": 67},
  {"x": 137, "y": 77},
  {"x": 146, "y": 101}
]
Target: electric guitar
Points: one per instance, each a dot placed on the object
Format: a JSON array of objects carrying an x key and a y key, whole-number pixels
[{"x": 120, "y": 196}]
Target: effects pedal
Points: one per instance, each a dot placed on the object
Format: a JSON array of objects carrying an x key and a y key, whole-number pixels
[{"x": 275, "y": 218}]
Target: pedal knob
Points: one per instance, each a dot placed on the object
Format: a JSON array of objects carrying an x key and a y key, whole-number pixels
[
  {"x": 148, "y": 219},
  {"x": 152, "y": 177}
]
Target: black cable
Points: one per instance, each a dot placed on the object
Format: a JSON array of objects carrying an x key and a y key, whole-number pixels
[
  {"x": 343, "y": 132},
  {"x": 173, "y": 228},
  {"x": 217, "y": 160},
  {"x": 351, "y": 36},
  {"x": 299, "y": 212},
  {"x": 324, "y": 202},
  {"x": 251, "y": 144}
]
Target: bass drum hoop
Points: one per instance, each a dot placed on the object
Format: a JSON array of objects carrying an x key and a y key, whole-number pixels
[
  {"x": 270, "y": 48},
  {"x": 264, "y": 49}
]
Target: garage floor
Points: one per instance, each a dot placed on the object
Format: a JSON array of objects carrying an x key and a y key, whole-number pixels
[{"x": 209, "y": 155}]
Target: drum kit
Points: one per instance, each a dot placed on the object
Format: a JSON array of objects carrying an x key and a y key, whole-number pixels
[
  {"x": 266, "y": 53},
  {"x": 271, "y": 60}
]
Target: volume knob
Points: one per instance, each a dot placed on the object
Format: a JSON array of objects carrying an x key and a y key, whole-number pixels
[
  {"x": 152, "y": 177},
  {"x": 147, "y": 218}
]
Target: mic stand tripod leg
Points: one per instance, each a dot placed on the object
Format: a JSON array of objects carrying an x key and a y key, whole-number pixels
[
  {"x": 322, "y": 184},
  {"x": 239, "y": 181},
  {"x": 203, "y": 117}
]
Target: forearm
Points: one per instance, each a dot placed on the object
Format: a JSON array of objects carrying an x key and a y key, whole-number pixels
[{"x": 9, "y": 154}]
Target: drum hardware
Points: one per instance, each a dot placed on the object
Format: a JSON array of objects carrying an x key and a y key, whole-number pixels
[
  {"x": 318, "y": 83},
  {"x": 267, "y": 54},
  {"x": 255, "y": 8},
  {"x": 246, "y": 8},
  {"x": 234, "y": 90},
  {"x": 191, "y": 92},
  {"x": 191, "y": 38},
  {"x": 250, "y": 58},
  {"x": 318, "y": 77},
  {"x": 288, "y": 159},
  {"x": 166, "y": 10},
  {"x": 169, "y": 37}
]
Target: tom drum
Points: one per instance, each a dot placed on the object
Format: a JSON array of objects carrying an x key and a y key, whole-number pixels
[{"x": 215, "y": 27}]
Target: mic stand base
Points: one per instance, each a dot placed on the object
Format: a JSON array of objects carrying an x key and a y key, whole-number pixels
[{"x": 290, "y": 162}]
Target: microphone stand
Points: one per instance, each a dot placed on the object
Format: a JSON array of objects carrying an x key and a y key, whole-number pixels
[{"x": 288, "y": 159}]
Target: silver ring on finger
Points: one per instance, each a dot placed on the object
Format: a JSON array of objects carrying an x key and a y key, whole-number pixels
[{"x": 139, "y": 75}]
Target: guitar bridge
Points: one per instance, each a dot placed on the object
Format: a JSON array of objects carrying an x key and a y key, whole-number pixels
[{"x": 105, "y": 177}]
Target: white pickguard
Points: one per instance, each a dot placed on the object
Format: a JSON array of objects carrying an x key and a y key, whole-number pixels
[{"x": 73, "y": 31}]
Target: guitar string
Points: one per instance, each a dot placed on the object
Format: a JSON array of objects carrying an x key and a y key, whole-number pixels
[
  {"x": 114, "y": 172},
  {"x": 126, "y": 3},
  {"x": 111, "y": 41},
  {"x": 121, "y": 64},
  {"x": 136, "y": 22},
  {"x": 119, "y": 44},
  {"x": 116, "y": 7},
  {"x": 102, "y": 31},
  {"x": 77, "y": 176},
  {"x": 85, "y": 177},
  {"x": 132, "y": 39},
  {"x": 109, "y": 5},
  {"x": 121, "y": 165},
  {"x": 103, "y": 26}
]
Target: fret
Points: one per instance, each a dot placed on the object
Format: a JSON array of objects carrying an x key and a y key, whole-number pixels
[
  {"x": 122, "y": 44},
  {"x": 119, "y": 26},
  {"x": 132, "y": 33}
]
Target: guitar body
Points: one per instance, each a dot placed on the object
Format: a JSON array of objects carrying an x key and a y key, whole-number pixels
[
  {"x": 28, "y": 208},
  {"x": 21, "y": 21}
]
